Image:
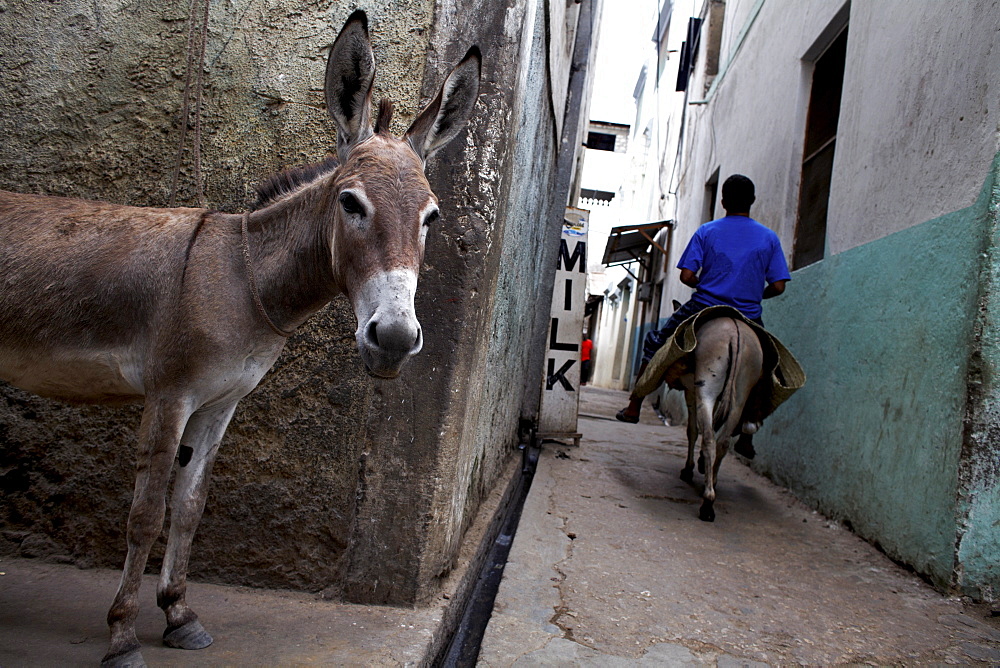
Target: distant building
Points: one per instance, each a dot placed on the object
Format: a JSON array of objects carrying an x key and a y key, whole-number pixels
[{"x": 605, "y": 166}]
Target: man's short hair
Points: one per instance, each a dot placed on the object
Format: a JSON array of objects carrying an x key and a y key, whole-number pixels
[{"x": 738, "y": 194}]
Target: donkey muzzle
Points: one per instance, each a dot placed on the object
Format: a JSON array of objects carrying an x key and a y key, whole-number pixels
[{"x": 388, "y": 333}]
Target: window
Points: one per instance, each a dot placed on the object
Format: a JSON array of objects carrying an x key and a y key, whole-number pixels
[
  {"x": 711, "y": 196},
  {"x": 660, "y": 36},
  {"x": 715, "y": 15},
  {"x": 711, "y": 22},
  {"x": 600, "y": 141},
  {"x": 689, "y": 54},
  {"x": 657, "y": 298},
  {"x": 820, "y": 146}
]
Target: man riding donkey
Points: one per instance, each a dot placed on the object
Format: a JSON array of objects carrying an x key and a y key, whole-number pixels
[{"x": 740, "y": 262}]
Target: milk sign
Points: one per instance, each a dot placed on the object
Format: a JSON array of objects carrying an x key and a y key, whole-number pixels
[{"x": 561, "y": 387}]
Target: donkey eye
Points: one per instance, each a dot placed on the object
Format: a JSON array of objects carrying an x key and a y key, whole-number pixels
[
  {"x": 350, "y": 203},
  {"x": 432, "y": 216}
]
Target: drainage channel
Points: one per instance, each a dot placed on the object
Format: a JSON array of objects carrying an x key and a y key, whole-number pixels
[{"x": 463, "y": 649}]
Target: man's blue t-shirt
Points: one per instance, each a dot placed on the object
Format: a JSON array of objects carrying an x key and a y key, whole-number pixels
[{"x": 738, "y": 257}]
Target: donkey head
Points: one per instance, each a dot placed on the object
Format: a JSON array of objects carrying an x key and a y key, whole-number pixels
[{"x": 383, "y": 201}]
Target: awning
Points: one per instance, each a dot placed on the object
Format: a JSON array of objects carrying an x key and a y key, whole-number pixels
[{"x": 629, "y": 243}]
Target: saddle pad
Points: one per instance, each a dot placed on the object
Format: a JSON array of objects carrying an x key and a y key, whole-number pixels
[{"x": 781, "y": 377}]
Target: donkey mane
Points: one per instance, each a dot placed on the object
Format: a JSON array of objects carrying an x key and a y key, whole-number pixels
[{"x": 277, "y": 186}]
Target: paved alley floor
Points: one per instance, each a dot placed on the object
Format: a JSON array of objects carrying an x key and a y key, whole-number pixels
[
  {"x": 53, "y": 615},
  {"x": 612, "y": 567}
]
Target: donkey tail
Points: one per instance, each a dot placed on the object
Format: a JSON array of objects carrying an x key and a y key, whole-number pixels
[{"x": 727, "y": 398}]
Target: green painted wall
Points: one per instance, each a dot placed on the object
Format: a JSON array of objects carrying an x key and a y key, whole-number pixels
[
  {"x": 978, "y": 544},
  {"x": 890, "y": 334}
]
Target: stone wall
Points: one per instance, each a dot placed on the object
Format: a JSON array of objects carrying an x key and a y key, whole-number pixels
[
  {"x": 327, "y": 479},
  {"x": 470, "y": 387}
]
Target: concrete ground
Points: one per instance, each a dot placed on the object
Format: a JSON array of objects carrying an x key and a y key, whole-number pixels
[
  {"x": 611, "y": 567},
  {"x": 53, "y": 615}
]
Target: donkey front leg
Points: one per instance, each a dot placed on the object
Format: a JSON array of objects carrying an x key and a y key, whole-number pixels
[
  {"x": 687, "y": 473},
  {"x": 159, "y": 434},
  {"x": 195, "y": 458}
]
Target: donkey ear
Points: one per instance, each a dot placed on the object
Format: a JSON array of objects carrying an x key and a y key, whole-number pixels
[
  {"x": 444, "y": 118},
  {"x": 350, "y": 72}
]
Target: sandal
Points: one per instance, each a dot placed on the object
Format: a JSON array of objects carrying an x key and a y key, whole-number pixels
[{"x": 621, "y": 416}]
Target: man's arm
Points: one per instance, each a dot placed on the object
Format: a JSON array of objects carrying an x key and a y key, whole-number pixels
[
  {"x": 690, "y": 279},
  {"x": 772, "y": 290}
]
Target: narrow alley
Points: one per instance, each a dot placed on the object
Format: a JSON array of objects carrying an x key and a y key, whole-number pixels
[{"x": 612, "y": 567}]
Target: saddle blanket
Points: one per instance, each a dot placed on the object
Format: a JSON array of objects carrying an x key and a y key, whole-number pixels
[{"x": 782, "y": 374}]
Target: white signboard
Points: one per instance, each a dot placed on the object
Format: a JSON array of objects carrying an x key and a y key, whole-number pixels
[{"x": 561, "y": 387}]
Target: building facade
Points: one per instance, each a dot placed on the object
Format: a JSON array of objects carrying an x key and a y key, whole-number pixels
[{"x": 871, "y": 131}]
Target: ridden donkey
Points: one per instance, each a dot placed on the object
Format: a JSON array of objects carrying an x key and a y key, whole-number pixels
[
  {"x": 188, "y": 308},
  {"x": 728, "y": 362}
]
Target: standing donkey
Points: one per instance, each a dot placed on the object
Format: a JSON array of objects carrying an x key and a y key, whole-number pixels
[
  {"x": 186, "y": 309},
  {"x": 728, "y": 361}
]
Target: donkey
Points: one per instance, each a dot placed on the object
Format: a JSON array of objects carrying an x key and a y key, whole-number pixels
[
  {"x": 728, "y": 362},
  {"x": 186, "y": 309}
]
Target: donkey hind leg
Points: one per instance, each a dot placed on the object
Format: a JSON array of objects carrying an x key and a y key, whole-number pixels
[
  {"x": 159, "y": 435},
  {"x": 705, "y": 409},
  {"x": 687, "y": 473},
  {"x": 195, "y": 458}
]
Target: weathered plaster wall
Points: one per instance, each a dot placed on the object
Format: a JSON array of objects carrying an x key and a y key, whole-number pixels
[
  {"x": 978, "y": 545},
  {"x": 327, "y": 478},
  {"x": 462, "y": 403},
  {"x": 92, "y": 92},
  {"x": 754, "y": 119},
  {"x": 919, "y": 102},
  {"x": 894, "y": 431},
  {"x": 921, "y": 115},
  {"x": 424, "y": 428},
  {"x": 877, "y": 437}
]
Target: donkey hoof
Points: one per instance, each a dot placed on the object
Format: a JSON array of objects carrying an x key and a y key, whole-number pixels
[
  {"x": 131, "y": 659},
  {"x": 687, "y": 474},
  {"x": 187, "y": 636},
  {"x": 707, "y": 512}
]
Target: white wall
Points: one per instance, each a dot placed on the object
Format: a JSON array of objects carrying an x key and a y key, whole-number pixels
[
  {"x": 754, "y": 121},
  {"x": 920, "y": 115},
  {"x": 919, "y": 123},
  {"x": 614, "y": 339}
]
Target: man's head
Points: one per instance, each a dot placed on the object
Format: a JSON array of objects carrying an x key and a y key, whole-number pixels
[{"x": 737, "y": 194}]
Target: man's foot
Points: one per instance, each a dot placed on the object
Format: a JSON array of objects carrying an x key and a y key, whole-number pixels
[
  {"x": 744, "y": 446},
  {"x": 622, "y": 416}
]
